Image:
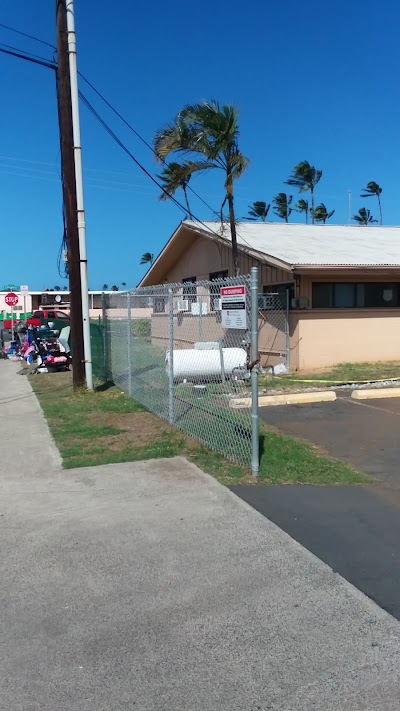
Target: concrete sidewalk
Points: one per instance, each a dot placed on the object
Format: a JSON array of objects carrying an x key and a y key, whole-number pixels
[{"x": 149, "y": 586}]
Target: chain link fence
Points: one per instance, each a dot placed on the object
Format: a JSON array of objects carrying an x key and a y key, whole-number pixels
[
  {"x": 178, "y": 350},
  {"x": 273, "y": 328},
  {"x": 189, "y": 353}
]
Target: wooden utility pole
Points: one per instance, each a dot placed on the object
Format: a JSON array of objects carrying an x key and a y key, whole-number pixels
[{"x": 69, "y": 193}]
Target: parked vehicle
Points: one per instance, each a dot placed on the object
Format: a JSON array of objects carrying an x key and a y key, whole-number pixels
[{"x": 41, "y": 317}]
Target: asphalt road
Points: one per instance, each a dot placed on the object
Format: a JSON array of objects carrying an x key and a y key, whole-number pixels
[
  {"x": 366, "y": 434},
  {"x": 355, "y": 530}
]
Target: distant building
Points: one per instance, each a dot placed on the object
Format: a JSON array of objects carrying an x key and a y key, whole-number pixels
[{"x": 34, "y": 299}]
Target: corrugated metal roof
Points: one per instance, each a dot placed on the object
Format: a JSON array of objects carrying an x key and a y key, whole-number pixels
[{"x": 316, "y": 245}]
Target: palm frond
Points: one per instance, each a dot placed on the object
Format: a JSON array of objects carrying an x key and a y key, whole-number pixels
[
  {"x": 364, "y": 217},
  {"x": 282, "y": 204},
  {"x": 372, "y": 189},
  {"x": 258, "y": 211},
  {"x": 147, "y": 258},
  {"x": 321, "y": 214},
  {"x": 304, "y": 176}
]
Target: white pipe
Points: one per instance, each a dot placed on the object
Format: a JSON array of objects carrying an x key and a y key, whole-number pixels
[{"x": 79, "y": 192}]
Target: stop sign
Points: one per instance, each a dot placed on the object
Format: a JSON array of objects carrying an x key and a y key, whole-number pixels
[{"x": 11, "y": 299}]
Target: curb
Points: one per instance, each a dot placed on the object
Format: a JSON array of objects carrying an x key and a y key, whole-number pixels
[
  {"x": 375, "y": 394},
  {"x": 286, "y": 399}
]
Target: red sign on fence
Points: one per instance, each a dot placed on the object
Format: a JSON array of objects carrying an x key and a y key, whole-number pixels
[
  {"x": 11, "y": 299},
  {"x": 233, "y": 306}
]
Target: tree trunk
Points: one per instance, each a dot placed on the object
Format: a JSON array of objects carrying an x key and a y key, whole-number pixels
[
  {"x": 306, "y": 217},
  {"x": 187, "y": 202},
  {"x": 312, "y": 206},
  {"x": 235, "y": 253},
  {"x": 380, "y": 209}
]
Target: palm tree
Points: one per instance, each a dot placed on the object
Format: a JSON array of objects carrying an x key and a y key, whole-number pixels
[
  {"x": 258, "y": 211},
  {"x": 211, "y": 132},
  {"x": 123, "y": 283},
  {"x": 282, "y": 207},
  {"x": 302, "y": 206},
  {"x": 147, "y": 258},
  {"x": 114, "y": 288},
  {"x": 305, "y": 177},
  {"x": 105, "y": 287},
  {"x": 57, "y": 288},
  {"x": 320, "y": 213},
  {"x": 373, "y": 189},
  {"x": 175, "y": 176},
  {"x": 364, "y": 217}
]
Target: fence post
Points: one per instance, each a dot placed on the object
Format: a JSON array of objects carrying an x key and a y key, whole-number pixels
[
  {"x": 129, "y": 334},
  {"x": 255, "y": 443},
  {"x": 287, "y": 330},
  {"x": 105, "y": 339},
  {"x": 221, "y": 357},
  {"x": 200, "y": 319},
  {"x": 171, "y": 355}
]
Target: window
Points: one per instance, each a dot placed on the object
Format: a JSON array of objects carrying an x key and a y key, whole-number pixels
[
  {"x": 215, "y": 291},
  {"x": 189, "y": 291},
  {"x": 279, "y": 294},
  {"x": 219, "y": 275},
  {"x": 159, "y": 305},
  {"x": 350, "y": 295},
  {"x": 61, "y": 315}
]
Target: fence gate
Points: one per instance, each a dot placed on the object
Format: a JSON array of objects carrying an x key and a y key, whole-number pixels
[{"x": 189, "y": 353}]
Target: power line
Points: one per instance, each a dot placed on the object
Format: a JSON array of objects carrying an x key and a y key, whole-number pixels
[
  {"x": 138, "y": 135},
  {"x": 114, "y": 136},
  {"x": 102, "y": 97},
  {"x": 21, "y": 54},
  {"x": 24, "y": 34}
]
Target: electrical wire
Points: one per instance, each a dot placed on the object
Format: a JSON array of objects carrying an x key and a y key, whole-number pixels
[
  {"x": 138, "y": 135},
  {"x": 114, "y": 136},
  {"x": 148, "y": 145},
  {"x": 21, "y": 54},
  {"x": 24, "y": 34},
  {"x": 116, "y": 112}
]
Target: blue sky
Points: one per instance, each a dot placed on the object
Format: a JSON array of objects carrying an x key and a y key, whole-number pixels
[{"x": 315, "y": 81}]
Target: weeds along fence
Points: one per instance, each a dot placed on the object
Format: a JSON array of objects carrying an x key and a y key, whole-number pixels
[{"x": 184, "y": 351}]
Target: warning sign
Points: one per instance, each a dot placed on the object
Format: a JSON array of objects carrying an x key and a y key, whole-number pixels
[{"x": 233, "y": 307}]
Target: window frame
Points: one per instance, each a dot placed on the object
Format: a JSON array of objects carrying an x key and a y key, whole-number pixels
[
  {"x": 215, "y": 291},
  {"x": 395, "y": 286},
  {"x": 189, "y": 291}
]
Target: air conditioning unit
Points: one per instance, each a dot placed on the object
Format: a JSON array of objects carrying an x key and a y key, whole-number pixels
[
  {"x": 301, "y": 302},
  {"x": 182, "y": 305},
  {"x": 199, "y": 307},
  {"x": 264, "y": 302}
]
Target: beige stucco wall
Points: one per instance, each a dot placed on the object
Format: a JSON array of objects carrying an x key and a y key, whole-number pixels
[{"x": 325, "y": 337}]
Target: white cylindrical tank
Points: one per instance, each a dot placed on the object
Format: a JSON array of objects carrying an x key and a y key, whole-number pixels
[{"x": 190, "y": 363}]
